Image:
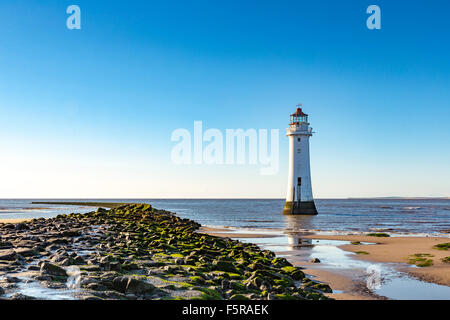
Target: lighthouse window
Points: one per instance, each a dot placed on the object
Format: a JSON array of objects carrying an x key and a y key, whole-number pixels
[
  {"x": 298, "y": 139},
  {"x": 298, "y": 150}
]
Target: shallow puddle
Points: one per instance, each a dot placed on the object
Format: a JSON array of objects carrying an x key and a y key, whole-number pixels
[{"x": 36, "y": 290}]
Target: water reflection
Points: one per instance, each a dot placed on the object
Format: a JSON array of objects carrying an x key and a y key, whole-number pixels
[
  {"x": 299, "y": 223},
  {"x": 296, "y": 228}
]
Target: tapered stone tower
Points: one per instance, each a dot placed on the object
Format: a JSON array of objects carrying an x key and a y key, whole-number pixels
[{"x": 299, "y": 199}]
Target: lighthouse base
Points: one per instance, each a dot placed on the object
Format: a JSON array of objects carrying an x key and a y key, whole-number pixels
[{"x": 300, "y": 208}]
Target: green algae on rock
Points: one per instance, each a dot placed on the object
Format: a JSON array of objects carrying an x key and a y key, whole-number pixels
[
  {"x": 421, "y": 259},
  {"x": 442, "y": 246},
  {"x": 379, "y": 235}
]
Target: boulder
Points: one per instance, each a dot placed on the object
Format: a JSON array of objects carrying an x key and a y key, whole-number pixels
[
  {"x": 87, "y": 281},
  {"x": 237, "y": 285},
  {"x": 8, "y": 255},
  {"x": 53, "y": 270},
  {"x": 26, "y": 252},
  {"x": 294, "y": 273},
  {"x": 190, "y": 260},
  {"x": 132, "y": 285},
  {"x": 96, "y": 287},
  {"x": 115, "y": 266},
  {"x": 5, "y": 245},
  {"x": 33, "y": 268},
  {"x": 120, "y": 284},
  {"x": 19, "y": 296},
  {"x": 66, "y": 262},
  {"x": 281, "y": 262},
  {"x": 11, "y": 279},
  {"x": 91, "y": 268},
  {"x": 58, "y": 241},
  {"x": 322, "y": 287},
  {"x": 225, "y": 284},
  {"x": 224, "y": 266},
  {"x": 104, "y": 260},
  {"x": 92, "y": 298},
  {"x": 22, "y": 226},
  {"x": 239, "y": 297},
  {"x": 254, "y": 282},
  {"x": 101, "y": 210},
  {"x": 79, "y": 260},
  {"x": 52, "y": 247},
  {"x": 136, "y": 286},
  {"x": 59, "y": 258},
  {"x": 71, "y": 233}
]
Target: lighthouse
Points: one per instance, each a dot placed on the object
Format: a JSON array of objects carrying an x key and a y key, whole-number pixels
[{"x": 299, "y": 199}]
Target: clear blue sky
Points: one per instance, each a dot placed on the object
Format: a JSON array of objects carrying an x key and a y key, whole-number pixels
[{"x": 90, "y": 112}]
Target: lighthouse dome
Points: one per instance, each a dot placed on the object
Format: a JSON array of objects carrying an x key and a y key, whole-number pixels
[{"x": 299, "y": 117}]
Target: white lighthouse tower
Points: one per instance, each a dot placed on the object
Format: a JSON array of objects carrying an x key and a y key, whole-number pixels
[{"x": 299, "y": 199}]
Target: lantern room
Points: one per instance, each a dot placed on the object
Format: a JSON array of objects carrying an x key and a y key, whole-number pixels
[{"x": 299, "y": 116}]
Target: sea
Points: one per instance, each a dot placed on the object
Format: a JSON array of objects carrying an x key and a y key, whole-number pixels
[{"x": 425, "y": 217}]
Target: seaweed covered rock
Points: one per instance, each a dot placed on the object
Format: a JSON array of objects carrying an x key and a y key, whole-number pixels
[
  {"x": 223, "y": 265},
  {"x": 293, "y": 272},
  {"x": 127, "y": 284}
]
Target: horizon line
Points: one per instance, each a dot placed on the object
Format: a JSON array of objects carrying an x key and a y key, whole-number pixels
[{"x": 226, "y": 198}]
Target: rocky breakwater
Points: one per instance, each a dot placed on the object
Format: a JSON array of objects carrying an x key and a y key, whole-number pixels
[{"x": 137, "y": 252}]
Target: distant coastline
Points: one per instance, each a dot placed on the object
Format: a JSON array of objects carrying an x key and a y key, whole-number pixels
[{"x": 68, "y": 199}]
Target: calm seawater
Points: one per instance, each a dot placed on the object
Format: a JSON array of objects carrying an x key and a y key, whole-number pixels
[{"x": 430, "y": 216}]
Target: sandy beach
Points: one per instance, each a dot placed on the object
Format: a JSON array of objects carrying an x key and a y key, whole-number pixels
[
  {"x": 400, "y": 250},
  {"x": 13, "y": 220}
]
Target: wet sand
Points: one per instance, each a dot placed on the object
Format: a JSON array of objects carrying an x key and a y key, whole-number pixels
[
  {"x": 351, "y": 290},
  {"x": 227, "y": 233},
  {"x": 398, "y": 249}
]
